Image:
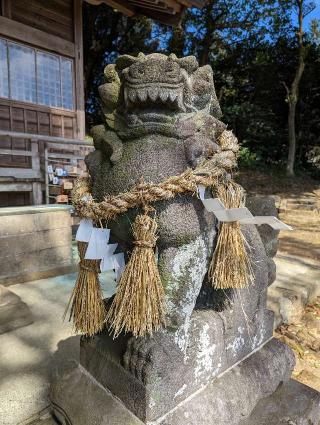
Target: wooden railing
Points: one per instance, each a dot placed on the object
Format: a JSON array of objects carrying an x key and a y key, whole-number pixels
[{"x": 30, "y": 179}]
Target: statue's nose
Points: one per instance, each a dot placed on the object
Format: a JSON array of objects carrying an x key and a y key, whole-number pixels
[{"x": 153, "y": 70}]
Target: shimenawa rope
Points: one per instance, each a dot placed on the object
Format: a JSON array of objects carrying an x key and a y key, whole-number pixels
[{"x": 138, "y": 305}]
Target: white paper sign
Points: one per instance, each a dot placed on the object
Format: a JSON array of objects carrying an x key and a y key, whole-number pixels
[
  {"x": 106, "y": 264},
  {"x": 111, "y": 248},
  {"x": 119, "y": 264},
  {"x": 97, "y": 246},
  {"x": 84, "y": 230},
  {"x": 213, "y": 205},
  {"x": 242, "y": 215},
  {"x": 59, "y": 172},
  {"x": 118, "y": 261},
  {"x": 201, "y": 191},
  {"x": 272, "y": 221},
  {"x": 233, "y": 214}
]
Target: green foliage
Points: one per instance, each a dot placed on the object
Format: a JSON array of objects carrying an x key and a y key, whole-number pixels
[
  {"x": 247, "y": 158},
  {"x": 252, "y": 48}
]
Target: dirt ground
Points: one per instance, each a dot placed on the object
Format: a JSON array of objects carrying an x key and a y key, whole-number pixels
[
  {"x": 298, "y": 201},
  {"x": 304, "y": 339}
]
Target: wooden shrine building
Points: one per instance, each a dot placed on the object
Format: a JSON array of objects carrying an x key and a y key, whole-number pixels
[{"x": 42, "y": 87}]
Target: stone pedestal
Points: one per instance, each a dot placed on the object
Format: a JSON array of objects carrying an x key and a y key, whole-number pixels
[
  {"x": 256, "y": 391},
  {"x": 152, "y": 376}
]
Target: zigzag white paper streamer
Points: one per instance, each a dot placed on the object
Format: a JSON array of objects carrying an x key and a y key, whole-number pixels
[
  {"x": 242, "y": 215},
  {"x": 84, "y": 230},
  {"x": 97, "y": 246}
]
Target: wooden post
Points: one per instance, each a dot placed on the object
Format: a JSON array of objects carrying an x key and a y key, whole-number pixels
[
  {"x": 35, "y": 161},
  {"x": 36, "y": 193},
  {"x": 6, "y": 8},
  {"x": 46, "y": 173},
  {"x": 79, "y": 70}
]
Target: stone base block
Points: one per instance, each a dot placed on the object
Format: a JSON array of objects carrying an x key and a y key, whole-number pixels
[
  {"x": 13, "y": 312},
  {"x": 256, "y": 391},
  {"x": 293, "y": 404},
  {"x": 152, "y": 376}
]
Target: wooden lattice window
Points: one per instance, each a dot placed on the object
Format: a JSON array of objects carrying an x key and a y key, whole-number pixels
[{"x": 34, "y": 76}]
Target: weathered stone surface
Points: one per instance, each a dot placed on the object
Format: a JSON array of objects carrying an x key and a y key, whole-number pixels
[
  {"x": 152, "y": 376},
  {"x": 292, "y": 404},
  {"x": 231, "y": 398},
  {"x": 13, "y": 312},
  {"x": 77, "y": 399},
  {"x": 227, "y": 400},
  {"x": 265, "y": 205},
  {"x": 164, "y": 120}
]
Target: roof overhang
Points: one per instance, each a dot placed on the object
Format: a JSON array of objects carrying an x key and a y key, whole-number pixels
[{"x": 166, "y": 11}]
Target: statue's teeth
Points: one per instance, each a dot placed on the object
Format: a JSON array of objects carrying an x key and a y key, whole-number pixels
[
  {"x": 172, "y": 96},
  {"x": 163, "y": 95},
  {"x": 153, "y": 94},
  {"x": 142, "y": 95}
]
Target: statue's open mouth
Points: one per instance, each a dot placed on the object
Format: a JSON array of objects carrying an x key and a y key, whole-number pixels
[{"x": 160, "y": 98}]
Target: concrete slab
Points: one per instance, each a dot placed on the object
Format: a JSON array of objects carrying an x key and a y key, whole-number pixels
[{"x": 27, "y": 355}]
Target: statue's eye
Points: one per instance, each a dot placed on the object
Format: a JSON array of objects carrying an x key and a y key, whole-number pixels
[{"x": 170, "y": 67}]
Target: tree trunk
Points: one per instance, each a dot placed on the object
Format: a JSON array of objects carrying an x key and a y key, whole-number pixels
[
  {"x": 293, "y": 93},
  {"x": 291, "y": 138}
]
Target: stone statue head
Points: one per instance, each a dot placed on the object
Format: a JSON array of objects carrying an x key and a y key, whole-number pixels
[{"x": 154, "y": 90}]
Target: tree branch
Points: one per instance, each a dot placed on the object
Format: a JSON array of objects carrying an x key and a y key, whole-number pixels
[{"x": 286, "y": 87}]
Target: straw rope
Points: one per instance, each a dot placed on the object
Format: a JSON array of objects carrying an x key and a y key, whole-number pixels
[
  {"x": 138, "y": 305},
  {"x": 209, "y": 173}
]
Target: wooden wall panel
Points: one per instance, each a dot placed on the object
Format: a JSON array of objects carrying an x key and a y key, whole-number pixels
[
  {"x": 14, "y": 199},
  {"x": 44, "y": 123},
  {"x": 4, "y": 117},
  {"x": 68, "y": 127},
  {"x": 56, "y": 124},
  {"x": 51, "y": 16},
  {"x": 32, "y": 119},
  {"x": 17, "y": 120}
]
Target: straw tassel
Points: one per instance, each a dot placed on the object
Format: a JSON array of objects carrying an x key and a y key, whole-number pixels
[
  {"x": 230, "y": 266},
  {"x": 138, "y": 304},
  {"x": 86, "y": 303}
]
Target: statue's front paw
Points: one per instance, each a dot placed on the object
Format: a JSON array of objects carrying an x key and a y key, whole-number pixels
[{"x": 138, "y": 356}]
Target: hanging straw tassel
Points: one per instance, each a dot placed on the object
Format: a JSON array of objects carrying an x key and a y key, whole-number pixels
[
  {"x": 230, "y": 265},
  {"x": 138, "y": 304},
  {"x": 87, "y": 306}
]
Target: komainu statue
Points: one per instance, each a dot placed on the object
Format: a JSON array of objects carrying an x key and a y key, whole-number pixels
[{"x": 161, "y": 117}]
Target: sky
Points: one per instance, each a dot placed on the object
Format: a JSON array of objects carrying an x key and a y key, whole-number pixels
[{"x": 313, "y": 15}]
